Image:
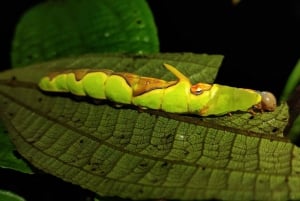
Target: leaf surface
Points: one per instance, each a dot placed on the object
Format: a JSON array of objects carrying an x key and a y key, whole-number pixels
[
  {"x": 7, "y": 157},
  {"x": 9, "y": 196},
  {"x": 149, "y": 154},
  {"x": 55, "y": 29}
]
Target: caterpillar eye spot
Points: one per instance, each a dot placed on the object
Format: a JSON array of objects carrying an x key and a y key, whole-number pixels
[
  {"x": 199, "y": 88},
  {"x": 198, "y": 91}
]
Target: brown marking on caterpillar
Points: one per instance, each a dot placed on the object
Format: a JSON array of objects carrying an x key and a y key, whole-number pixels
[
  {"x": 52, "y": 75},
  {"x": 80, "y": 73},
  {"x": 141, "y": 85},
  {"x": 204, "y": 110}
]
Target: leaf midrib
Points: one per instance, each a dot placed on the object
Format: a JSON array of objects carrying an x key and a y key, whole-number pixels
[{"x": 159, "y": 113}]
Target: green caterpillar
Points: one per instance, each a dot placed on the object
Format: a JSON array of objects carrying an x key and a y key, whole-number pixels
[{"x": 151, "y": 93}]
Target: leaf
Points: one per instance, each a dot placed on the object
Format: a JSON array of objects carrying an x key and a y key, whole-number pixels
[
  {"x": 149, "y": 154},
  {"x": 7, "y": 158},
  {"x": 291, "y": 93},
  {"x": 9, "y": 196},
  {"x": 292, "y": 82},
  {"x": 71, "y": 27},
  {"x": 293, "y": 128}
]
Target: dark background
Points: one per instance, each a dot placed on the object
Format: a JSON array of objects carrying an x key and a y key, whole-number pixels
[{"x": 259, "y": 39}]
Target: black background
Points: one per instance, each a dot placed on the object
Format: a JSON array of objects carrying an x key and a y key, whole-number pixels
[{"x": 259, "y": 39}]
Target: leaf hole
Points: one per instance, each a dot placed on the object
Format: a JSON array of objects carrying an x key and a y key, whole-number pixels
[
  {"x": 203, "y": 168},
  {"x": 275, "y": 129},
  {"x": 102, "y": 172},
  {"x": 40, "y": 99},
  {"x": 81, "y": 141},
  {"x": 164, "y": 164},
  {"x": 143, "y": 164},
  {"x": 13, "y": 78},
  {"x": 169, "y": 138},
  {"x": 251, "y": 117}
]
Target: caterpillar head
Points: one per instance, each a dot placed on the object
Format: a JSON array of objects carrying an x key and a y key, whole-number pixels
[{"x": 268, "y": 101}]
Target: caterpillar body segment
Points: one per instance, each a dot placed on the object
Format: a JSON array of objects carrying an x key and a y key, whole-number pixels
[
  {"x": 223, "y": 99},
  {"x": 179, "y": 96}
]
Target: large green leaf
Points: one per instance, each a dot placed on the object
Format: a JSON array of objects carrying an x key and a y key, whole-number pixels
[
  {"x": 9, "y": 196},
  {"x": 71, "y": 27},
  {"x": 292, "y": 82},
  {"x": 7, "y": 157},
  {"x": 291, "y": 93},
  {"x": 149, "y": 154}
]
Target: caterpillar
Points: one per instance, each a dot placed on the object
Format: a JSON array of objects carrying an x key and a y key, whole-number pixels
[{"x": 179, "y": 96}]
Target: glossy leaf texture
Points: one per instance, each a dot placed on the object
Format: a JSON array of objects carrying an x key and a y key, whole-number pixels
[
  {"x": 7, "y": 157},
  {"x": 293, "y": 127},
  {"x": 146, "y": 154},
  {"x": 9, "y": 196},
  {"x": 291, "y": 94},
  {"x": 292, "y": 82},
  {"x": 55, "y": 29}
]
